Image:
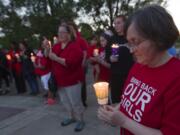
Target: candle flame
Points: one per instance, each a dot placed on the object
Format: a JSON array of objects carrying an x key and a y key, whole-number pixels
[
  {"x": 17, "y": 55},
  {"x": 115, "y": 46},
  {"x": 96, "y": 52},
  {"x": 8, "y": 57}
]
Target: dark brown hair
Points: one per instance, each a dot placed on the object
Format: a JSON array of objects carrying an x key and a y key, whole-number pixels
[
  {"x": 123, "y": 17},
  {"x": 69, "y": 30},
  {"x": 155, "y": 24}
]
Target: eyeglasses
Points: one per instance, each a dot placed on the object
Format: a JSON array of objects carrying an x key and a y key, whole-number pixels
[
  {"x": 135, "y": 46},
  {"x": 62, "y": 32}
]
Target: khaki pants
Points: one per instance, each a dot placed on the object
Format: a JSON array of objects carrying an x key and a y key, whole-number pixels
[{"x": 71, "y": 99}]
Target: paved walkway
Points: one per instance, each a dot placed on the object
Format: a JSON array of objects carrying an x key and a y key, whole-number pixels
[{"x": 27, "y": 115}]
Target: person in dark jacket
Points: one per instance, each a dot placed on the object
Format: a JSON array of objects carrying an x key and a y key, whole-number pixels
[
  {"x": 28, "y": 67},
  {"x": 4, "y": 72},
  {"x": 121, "y": 62}
]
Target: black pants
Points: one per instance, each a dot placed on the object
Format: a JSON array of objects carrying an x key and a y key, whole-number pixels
[
  {"x": 83, "y": 88},
  {"x": 19, "y": 82},
  {"x": 6, "y": 80},
  {"x": 116, "y": 85},
  {"x": 84, "y": 93}
]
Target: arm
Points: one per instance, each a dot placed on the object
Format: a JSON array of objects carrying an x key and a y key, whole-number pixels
[
  {"x": 84, "y": 47},
  {"x": 38, "y": 65},
  {"x": 103, "y": 62},
  {"x": 139, "y": 129},
  {"x": 59, "y": 60},
  {"x": 112, "y": 115},
  {"x": 84, "y": 58}
]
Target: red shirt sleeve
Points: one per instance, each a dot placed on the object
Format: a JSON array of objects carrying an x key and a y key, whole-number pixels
[{"x": 171, "y": 119}]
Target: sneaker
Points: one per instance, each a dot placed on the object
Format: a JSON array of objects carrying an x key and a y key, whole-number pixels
[
  {"x": 34, "y": 93},
  {"x": 1, "y": 92},
  {"x": 7, "y": 91},
  {"x": 79, "y": 126},
  {"x": 4, "y": 92},
  {"x": 51, "y": 101},
  {"x": 85, "y": 105},
  {"x": 67, "y": 122}
]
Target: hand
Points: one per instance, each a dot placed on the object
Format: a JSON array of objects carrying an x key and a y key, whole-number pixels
[
  {"x": 98, "y": 59},
  {"x": 45, "y": 43},
  {"x": 113, "y": 58},
  {"x": 112, "y": 115}
]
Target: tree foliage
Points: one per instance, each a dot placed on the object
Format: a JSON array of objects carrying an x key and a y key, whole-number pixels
[
  {"x": 27, "y": 19},
  {"x": 103, "y": 11},
  {"x": 31, "y": 19}
]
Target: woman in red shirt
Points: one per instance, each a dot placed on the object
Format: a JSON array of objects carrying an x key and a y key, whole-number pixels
[
  {"x": 43, "y": 69},
  {"x": 151, "y": 97},
  {"x": 15, "y": 65},
  {"x": 104, "y": 66},
  {"x": 66, "y": 59},
  {"x": 93, "y": 52}
]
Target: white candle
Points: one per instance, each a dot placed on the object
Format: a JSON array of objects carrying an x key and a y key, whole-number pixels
[
  {"x": 8, "y": 57},
  {"x": 17, "y": 55},
  {"x": 115, "y": 46},
  {"x": 96, "y": 52},
  {"x": 102, "y": 90},
  {"x": 33, "y": 58},
  {"x": 54, "y": 39}
]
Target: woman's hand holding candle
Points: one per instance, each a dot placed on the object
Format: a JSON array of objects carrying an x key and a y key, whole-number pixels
[{"x": 33, "y": 58}]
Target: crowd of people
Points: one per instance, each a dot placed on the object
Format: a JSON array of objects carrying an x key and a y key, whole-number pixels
[{"x": 144, "y": 79}]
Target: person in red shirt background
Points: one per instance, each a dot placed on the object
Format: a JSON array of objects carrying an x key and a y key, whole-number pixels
[
  {"x": 4, "y": 72},
  {"x": 93, "y": 52},
  {"x": 43, "y": 69},
  {"x": 84, "y": 47},
  {"x": 16, "y": 67},
  {"x": 151, "y": 97},
  {"x": 104, "y": 71},
  {"x": 28, "y": 69},
  {"x": 66, "y": 59}
]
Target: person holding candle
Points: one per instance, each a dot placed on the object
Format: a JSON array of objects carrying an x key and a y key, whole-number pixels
[
  {"x": 150, "y": 101},
  {"x": 4, "y": 72},
  {"x": 84, "y": 47},
  {"x": 120, "y": 59},
  {"x": 93, "y": 52},
  {"x": 104, "y": 66},
  {"x": 28, "y": 67},
  {"x": 43, "y": 70},
  {"x": 66, "y": 59},
  {"x": 16, "y": 67}
]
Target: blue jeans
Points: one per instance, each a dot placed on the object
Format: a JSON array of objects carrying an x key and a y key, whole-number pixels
[{"x": 33, "y": 84}]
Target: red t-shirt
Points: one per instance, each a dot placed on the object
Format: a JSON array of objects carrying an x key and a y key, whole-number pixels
[
  {"x": 152, "y": 95},
  {"x": 70, "y": 74},
  {"x": 104, "y": 71},
  {"x": 13, "y": 63},
  {"x": 91, "y": 50},
  {"x": 44, "y": 61}
]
